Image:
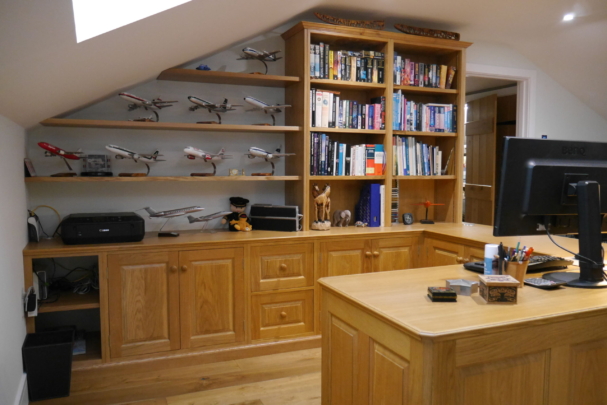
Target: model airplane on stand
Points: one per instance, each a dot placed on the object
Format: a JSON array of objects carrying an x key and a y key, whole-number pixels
[
  {"x": 171, "y": 214},
  {"x": 123, "y": 153},
  {"x": 262, "y": 56},
  {"x": 267, "y": 156},
  {"x": 265, "y": 107},
  {"x": 193, "y": 153},
  {"x": 139, "y": 102},
  {"x": 212, "y": 107},
  {"x": 51, "y": 151},
  {"x": 205, "y": 219}
]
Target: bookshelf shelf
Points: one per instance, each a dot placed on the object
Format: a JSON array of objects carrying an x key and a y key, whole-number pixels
[
  {"x": 425, "y": 90},
  {"x": 327, "y": 84},
  {"x": 424, "y": 133},
  {"x": 176, "y": 126},
  {"x": 241, "y": 79},
  {"x": 158, "y": 178},
  {"x": 93, "y": 352},
  {"x": 69, "y": 301},
  {"x": 345, "y": 178},
  {"x": 347, "y": 130},
  {"x": 445, "y": 177}
]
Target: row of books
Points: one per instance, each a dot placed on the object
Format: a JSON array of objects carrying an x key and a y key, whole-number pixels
[
  {"x": 409, "y": 115},
  {"x": 363, "y": 66},
  {"x": 414, "y": 158},
  {"x": 329, "y": 111},
  {"x": 419, "y": 74},
  {"x": 369, "y": 208},
  {"x": 331, "y": 158}
]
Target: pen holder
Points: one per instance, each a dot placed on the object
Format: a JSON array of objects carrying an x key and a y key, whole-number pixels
[{"x": 518, "y": 270}]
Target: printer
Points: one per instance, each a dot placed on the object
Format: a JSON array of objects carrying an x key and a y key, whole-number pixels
[{"x": 115, "y": 227}]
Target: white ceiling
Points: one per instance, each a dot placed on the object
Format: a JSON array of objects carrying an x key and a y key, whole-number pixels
[{"x": 44, "y": 72}]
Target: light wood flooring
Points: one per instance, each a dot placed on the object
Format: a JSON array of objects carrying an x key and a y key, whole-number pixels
[{"x": 278, "y": 379}]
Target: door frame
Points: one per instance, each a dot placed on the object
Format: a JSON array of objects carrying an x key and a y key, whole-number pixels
[{"x": 525, "y": 93}]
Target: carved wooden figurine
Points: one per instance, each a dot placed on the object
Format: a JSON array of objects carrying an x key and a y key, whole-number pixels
[
  {"x": 323, "y": 207},
  {"x": 341, "y": 218}
]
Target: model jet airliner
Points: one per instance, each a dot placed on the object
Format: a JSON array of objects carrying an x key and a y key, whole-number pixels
[
  {"x": 262, "y": 56},
  {"x": 265, "y": 107},
  {"x": 139, "y": 102},
  {"x": 51, "y": 150},
  {"x": 123, "y": 153},
  {"x": 172, "y": 213},
  {"x": 193, "y": 153},
  {"x": 205, "y": 219},
  {"x": 260, "y": 153},
  {"x": 212, "y": 107}
]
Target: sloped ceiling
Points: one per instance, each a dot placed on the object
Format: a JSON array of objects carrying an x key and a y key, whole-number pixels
[{"x": 44, "y": 72}]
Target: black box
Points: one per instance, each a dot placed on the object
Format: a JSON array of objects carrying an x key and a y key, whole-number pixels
[
  {"x": 47, "y": 360},
  {"x": 266, "y": 217},
  {"x": 112, "y": 227}
]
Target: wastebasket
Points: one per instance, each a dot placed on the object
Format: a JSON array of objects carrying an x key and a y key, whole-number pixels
[{"x": 47, "y": 359}]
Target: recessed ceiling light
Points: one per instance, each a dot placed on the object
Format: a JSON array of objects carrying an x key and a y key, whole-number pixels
[{"x": 569, "y": 17}]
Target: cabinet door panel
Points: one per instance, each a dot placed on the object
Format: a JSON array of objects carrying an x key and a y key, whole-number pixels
[
  {"x": 212, "y": 297},
  {"x": 282, "y": 266},
  {"x": 394, "y": 253},
  {"x": 389, "y": 376},
  {"x": 339, "y": 258},
  {"x": 441, "y": 253},
  {"x": 474, "y": 254},
  {"x": 143, "y": 303},
  {"x": 282, "y": 314}
]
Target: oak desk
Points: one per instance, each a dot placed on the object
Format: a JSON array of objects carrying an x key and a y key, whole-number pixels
[{"x": 385, "y": 342}]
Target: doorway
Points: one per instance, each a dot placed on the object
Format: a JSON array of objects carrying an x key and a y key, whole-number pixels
[{"x": 491, "y": 114}]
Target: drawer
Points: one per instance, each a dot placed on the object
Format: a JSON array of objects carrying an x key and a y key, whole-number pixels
[
  {"x": 282, "y": 266},
  {"x": 279, "y": 315}
]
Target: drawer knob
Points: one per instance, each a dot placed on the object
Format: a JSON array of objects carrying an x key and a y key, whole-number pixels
[
  {"x": 173, "y": 269},
  {"x": 283, "y": 314},
  {"x": 184, "y": 268},
  {"x": 283, "y": 266},
  {"x": 368, "y": 254},
  {"x": 376, "y": 254},
  {"x": 462, "y": 260}
]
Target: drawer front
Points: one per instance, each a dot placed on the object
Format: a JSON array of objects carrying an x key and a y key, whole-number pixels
[
  {"x": 282, "y": 314},
  {"x": 282, "y": 266}
]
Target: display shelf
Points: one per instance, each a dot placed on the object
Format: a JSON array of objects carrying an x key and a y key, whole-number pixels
[
  {"x": 445, "y": 177},
  {"x": 241, "y": 79},
  {"x": 176, "y": 126},
  {"x": 69, "y": 301},
  {"x": 344, "y": 85},
  {"x": 348, "y": 130},
  {"x": 157, "y": 178},
  {"x": 425, "y": 90},
  {"x": 93, "y": 352},
  {"x": 345, "y": 178},
  {"x": 425, "y": 133}
]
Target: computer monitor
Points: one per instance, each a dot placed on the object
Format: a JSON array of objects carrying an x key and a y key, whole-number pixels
[{"x": 558, "y": 187}]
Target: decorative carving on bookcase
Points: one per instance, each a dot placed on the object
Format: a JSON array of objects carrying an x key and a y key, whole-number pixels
[
  {"x": 427, "y": 32},
  {"x": 373, "y": 25}
]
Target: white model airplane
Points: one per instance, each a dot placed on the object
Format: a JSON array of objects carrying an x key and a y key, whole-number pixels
[
  {"x": 172, "y": 213},
  {"x": 212, "y": 107},
  {"x": 138, "y": 102},
  {"x": 264, "y": 56},
  {"x": 209, "y": 217},
  {"x": 122, "y": 153},
  {"x": 260, "y": 153},
  {"x": 267, "y": 108},
  {"x": 193, "y": 153}
]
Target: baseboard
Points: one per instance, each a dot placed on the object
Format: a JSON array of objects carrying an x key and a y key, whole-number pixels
[{"x": 21, "y": 398}]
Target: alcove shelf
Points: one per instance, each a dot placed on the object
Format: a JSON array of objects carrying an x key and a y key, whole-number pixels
[
  {"x": 241, "y": 79},
  {"x": 78, "y": 179}
]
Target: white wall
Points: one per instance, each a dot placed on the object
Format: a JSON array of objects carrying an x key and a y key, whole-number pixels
[
  {"x": 13, "y": 237},
  {"x": 559, "y": 114}
]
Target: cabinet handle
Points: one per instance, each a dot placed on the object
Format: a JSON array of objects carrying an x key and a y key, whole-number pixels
[
  {"x": 376, "y": 254},
  {"x": 283, "y": 314},
  {"x": 283, "y": 266},
  {"x": 184, "y": 268},
  {"x": 173, "y": 269},
  {"x": 368, "y": 254}
]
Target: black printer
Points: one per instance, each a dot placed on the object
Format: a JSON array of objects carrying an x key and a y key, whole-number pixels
[{"x": 115, "y": 227}]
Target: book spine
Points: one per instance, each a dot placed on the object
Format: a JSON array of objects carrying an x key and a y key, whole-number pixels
[
  {"x": 374, "y": 205},
  {"x": 330, "y": 76},
  {"x": 380, "y": 159},
  {"x": 370, "y": 160},
  {"x": 312, "y": 66},
  {"x": 326, "y": 62},
  {"x": 450, "y": 77},
  {"x": 321, "y": 61},
  {"x": 443, "y": 77}
]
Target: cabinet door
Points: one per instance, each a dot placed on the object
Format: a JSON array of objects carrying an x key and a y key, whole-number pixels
[
  {"x": 277, "y": 315},
  {"x": 278, "y": 267},
  {"x": 394, "y": 253},
  {"x": 474, "y": 254},
  {"x": 350, "y": 256},
  {"x": 143, "y": 303},
  {"x": 441, "y": 253},
  {"x": 212, "y": 297}
]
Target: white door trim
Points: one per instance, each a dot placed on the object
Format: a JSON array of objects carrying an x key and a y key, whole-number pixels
[{"x": 525, "y": 93}]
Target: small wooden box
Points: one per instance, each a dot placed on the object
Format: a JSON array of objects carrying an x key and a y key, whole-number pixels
[{"x": 498, "y": 289}]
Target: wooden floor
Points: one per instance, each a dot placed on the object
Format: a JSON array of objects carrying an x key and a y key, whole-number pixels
[{"x": 278, "y": 379}]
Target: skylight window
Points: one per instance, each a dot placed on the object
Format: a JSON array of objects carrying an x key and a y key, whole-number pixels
[{"x": 96, "y": 17}]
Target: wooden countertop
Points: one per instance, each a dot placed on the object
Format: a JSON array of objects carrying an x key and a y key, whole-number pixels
[
  {"x": 459, "y": 233},
  {"x": 399, "y": 297}
]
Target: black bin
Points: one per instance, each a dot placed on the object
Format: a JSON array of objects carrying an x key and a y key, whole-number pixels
[{"x": 47, "y": 359}]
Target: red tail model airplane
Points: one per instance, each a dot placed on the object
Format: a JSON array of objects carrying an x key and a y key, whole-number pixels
[{"x": 51, "y": 150}]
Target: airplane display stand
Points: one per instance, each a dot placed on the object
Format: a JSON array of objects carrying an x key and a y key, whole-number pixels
[
  {"x": 164, "y": 234},
  {"x": 136, "y": 174},
  {"x": 205, "y": 174},
  {"x": 265, "y": 174},
  {"x": 64, "y": 174}
]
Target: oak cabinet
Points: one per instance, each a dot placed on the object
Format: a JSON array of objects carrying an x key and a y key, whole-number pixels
[
  {"x": 442, "y": 253},
  {"x": 278, "y": 267},
  {"x": 277, "y": 315},
  {"x": 394, "y": 253},
  {"x": 165, "y": 301}
]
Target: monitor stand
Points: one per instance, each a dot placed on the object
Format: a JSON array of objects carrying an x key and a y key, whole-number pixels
[{"x": 589, "y": 214}]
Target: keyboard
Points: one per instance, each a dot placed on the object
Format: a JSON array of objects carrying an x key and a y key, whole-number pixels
[{"x": 536, "y": 264}]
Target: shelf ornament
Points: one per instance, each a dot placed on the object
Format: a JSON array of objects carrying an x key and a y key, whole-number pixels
[{"x": 322, "y": 209}]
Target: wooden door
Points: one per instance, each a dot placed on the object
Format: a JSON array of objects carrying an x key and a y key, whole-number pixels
[
  {"x": 479, "y": 188},
  {"x": 442, "y": 253},
  {"x": 212, "y": 296},
  {"x": 394, "y": 253},
  {"x": 143, "y": 303},
  {"x": 350, "y": 256}
]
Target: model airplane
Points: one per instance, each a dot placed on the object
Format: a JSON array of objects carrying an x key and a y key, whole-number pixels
[
  {"x": 263, "y": 56},
  {"x": 193, "y": 153},
  {"x": 138, "y": 102},
  {"x": 265, "y": 107},
  {"x": 427, "y": 204},
  {"x": 267, "y": 156},
  {"x": 122, "y": 153},
  {"x": 212, "y": 107},
  {"x": 205, "y": 219},
  {"x": 171, "y": 214},
  {"x": 51, "y": 150}
]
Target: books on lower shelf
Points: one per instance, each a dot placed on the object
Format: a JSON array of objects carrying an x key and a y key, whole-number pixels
[
  {"x": 331, "y": 158},
  {"x": 414, "y": 158},
  {"x": 327, "y": 110},
  {"x": 370, "y": 207},
  {"x": 355, "y": 66},
  {"x": 408, "y": 115},
  {"x": 419, "y": 74}
]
